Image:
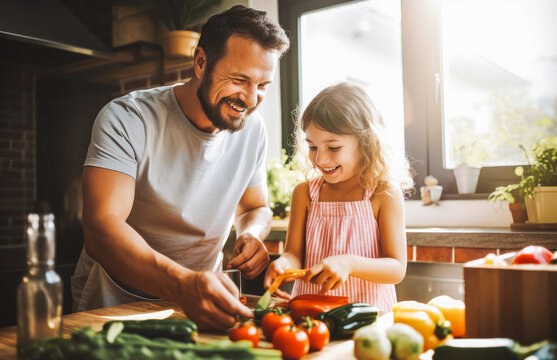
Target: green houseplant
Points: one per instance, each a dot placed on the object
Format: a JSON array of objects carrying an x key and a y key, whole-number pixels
[
  {"x": 543, "y": 174},
  {"x": 538, "y": 182},
  {"x": 178, "y": 17},
  {"x": 282, "y": 176},
  {"x": 512, "y": 192}
]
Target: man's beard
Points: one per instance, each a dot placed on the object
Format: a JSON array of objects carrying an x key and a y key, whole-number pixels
[{"x": 213, "y": 112}]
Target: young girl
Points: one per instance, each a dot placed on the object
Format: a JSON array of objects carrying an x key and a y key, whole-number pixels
[{"x": 347, "y": 226}]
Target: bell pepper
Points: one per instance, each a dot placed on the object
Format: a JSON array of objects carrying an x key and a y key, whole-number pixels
[
  {"x": 454, "y": 311},
  {"x": 533, "y": 254},
  {"x": 434, "y": 312},
  {"x": 344, "y": 320},
  {"x": 313, "y": 305},
  {"x": 428, "y": 320}
]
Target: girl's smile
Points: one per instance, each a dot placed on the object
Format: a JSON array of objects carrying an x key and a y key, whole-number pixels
[{"x": 336, "y": 156}]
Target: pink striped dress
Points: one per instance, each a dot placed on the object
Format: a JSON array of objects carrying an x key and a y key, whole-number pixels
[{"x": 346, "y": 227}]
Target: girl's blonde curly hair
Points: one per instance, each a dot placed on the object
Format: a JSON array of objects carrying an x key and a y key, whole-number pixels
[{"x": 346, "y": 109}]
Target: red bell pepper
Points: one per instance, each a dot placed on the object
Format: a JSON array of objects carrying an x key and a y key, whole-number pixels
[
  {"x": 313, "y": 305},
  {"x": 533, "y": 254}
]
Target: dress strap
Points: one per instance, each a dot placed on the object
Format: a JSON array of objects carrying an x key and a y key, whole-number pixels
[
  {"x": 368, "y": 193},
  {"x": 315, "y": 187}
]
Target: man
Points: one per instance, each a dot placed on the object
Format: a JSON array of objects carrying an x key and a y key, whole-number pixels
[{"x": 169, "y": 169}]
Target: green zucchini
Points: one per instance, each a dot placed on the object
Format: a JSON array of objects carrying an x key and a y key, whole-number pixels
[
  {"x": 484, "y": 349},
  {"x": 344, "y": 320},
  {"x": 175, "y": 329}
]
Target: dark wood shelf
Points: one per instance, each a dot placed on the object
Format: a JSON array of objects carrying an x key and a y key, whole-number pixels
[{"x": 131, "y": 62}]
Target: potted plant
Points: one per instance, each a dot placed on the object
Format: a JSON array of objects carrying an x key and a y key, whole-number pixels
[
  {"x": 538, "y": 183},
  {"x": 178, "y": 17},
  {"x": 469, "y": 152},
  {"x": 511, "y": 192},
  {"x": 542, "y": 174},
  {"x": 282, "y": 176}
]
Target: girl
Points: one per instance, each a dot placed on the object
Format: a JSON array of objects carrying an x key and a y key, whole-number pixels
[{"x": 347, "y": 226}]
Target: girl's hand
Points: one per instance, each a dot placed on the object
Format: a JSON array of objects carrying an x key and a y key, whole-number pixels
[
  {"x": 330, "y": 273},
  {"x": 275, "y": 269}
]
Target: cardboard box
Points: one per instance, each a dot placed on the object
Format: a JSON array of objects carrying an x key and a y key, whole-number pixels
[{"x": 512, "y": 301}]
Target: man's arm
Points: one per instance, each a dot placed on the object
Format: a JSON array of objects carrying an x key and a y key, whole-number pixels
[
  {"x": 207, "y": 298},
  {"x": 253, "y": 223}
]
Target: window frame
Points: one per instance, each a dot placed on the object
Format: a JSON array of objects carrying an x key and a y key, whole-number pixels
[{"x": 421, "y": 62}]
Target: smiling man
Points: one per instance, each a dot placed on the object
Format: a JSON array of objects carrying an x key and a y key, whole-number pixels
[{"x": 170, "y": 169}]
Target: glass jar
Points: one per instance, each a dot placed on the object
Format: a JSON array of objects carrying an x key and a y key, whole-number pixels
[{"x": 39, "y": 295}]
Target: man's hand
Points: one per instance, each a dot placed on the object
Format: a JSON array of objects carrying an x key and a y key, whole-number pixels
[
  {"x": 211, "y": 300},
  {"x": 249, "y": 256},
  {"x": 330, "y": 273}
]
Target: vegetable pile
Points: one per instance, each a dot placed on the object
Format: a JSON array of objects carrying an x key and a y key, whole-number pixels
[
  {"x": 141, "y": 340},
  {"x": 532, "y": 254}
]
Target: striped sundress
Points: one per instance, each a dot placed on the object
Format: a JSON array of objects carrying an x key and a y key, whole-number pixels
[{"x": 345, "y": 227}]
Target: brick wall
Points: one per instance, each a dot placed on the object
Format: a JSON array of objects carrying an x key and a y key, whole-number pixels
[{"x": 17, "y": 150}]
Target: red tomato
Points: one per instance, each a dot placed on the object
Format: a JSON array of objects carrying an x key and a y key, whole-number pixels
[
  {"x": 245, "y": 332},
  {"x": 318, "y": 333},
  {"x": 533, "y": 254},
  {"x": 243, "y": 300},
  {"x": 291, "y": 341},
  {"x": 272, "y": 321}
]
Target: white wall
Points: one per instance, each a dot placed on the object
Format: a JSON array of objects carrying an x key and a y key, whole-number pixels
[
  {"x": 458, "y": 213},
  {"x": 270, "y": 108}
]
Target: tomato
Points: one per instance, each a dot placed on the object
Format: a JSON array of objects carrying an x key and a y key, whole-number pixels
[
  {"x": 246, "y": 331},
  {"x": 318, "y": 333},
  {"x": 243, "y": 300},
  {"x": 293, "y": 342},
  {"x": 273, "y": 321}
]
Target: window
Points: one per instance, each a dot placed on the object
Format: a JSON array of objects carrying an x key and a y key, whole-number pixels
[
  {"x": 478, "y": 75},
  {"x": 358, "y": 42},
  {"x": 500, "y": 79}
]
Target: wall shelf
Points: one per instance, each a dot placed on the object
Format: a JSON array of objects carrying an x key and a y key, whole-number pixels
[{"x": 133, "y": 66}]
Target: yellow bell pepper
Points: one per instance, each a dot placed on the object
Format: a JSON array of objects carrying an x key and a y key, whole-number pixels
[
  {"x": 454, "y": 311},
  {"x": 425, "y": 319},
  {"x": 434, "y": 312}
]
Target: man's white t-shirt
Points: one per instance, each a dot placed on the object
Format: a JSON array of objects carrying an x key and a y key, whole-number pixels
[{"x": 188, "y": 182}]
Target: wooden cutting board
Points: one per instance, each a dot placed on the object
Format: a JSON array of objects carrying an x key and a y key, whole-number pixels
[
  {"x": 143, "y": 310},
  {"x": 514, "y": 301}
]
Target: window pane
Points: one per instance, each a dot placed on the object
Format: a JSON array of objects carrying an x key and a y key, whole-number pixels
[
  {"x": 500, "y": 79},
  {"x": 358, "y": 42}
]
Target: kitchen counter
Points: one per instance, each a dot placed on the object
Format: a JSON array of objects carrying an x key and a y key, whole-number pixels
[
  {"x": 479, "y": 237},
  {"x": 161, "y": 310},
  {"x": 448, "y": 244},
  {"x": 490, "y": 238}
]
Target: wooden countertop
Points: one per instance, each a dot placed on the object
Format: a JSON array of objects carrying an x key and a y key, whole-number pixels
[{"x": 161, "y": 310}]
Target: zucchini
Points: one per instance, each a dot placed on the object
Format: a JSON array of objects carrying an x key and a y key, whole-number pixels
[
  {"x": 175, "y": 329},
  {"x": 484, "y": 349},
  {"x": 344, "y": 320}
]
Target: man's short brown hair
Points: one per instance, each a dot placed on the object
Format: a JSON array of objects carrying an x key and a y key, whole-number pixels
[{"x": 244, "y": 21}]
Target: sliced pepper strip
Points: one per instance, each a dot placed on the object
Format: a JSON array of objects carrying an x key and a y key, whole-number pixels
[{"x": 288, "y": 273}]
